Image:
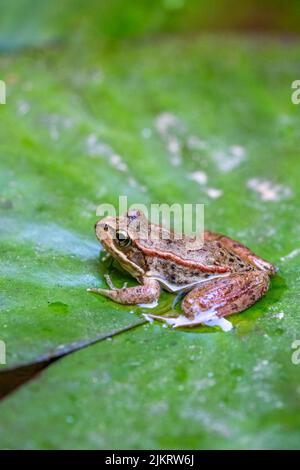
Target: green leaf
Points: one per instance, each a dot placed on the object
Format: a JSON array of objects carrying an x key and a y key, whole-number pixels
[
  {"x": 207, "y": 120},
  {"x": 67, "y": 119},
  {"x": 155, "y": 389}
]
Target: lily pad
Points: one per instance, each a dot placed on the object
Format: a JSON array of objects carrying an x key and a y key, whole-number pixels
[
  {"x": 77, "y": 137},
  {"x": 207, "y": 119},
  {"x": 153, "y": 388}
]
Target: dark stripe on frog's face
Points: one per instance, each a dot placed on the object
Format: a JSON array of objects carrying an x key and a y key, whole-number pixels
[{"x": 106, "y": 232}]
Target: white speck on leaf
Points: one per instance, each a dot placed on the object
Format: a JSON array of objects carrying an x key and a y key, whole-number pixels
[
  {"x": 96, "y": 148},
  {"x": 117, "y": 162},
  {"x": 198, "y": 176},
  {"x": 214, "y": 193},
  {"x": 279, "y": 315},
  {"x": 194, "y": 143},
  {"x": 169, "y": 126},
  {"x": 227, "y": 161},
  {"x": 165, "y": 121},
  {"x": 23, "y": 107},
  {"x": 268, "y": 190},
  {"x": 260, "y": 365},
  {"x": 56, "y": 124},
  {"x": 133, "y": 183},
  {"x": 291, "y": 255},
  {"x": 146, "y": 133},
  {"x": 204, "y": 383},
  {"x": 238, "y": 151},
  {"x": 159, "y": 407},
  {"x": 174, "y": 146}
]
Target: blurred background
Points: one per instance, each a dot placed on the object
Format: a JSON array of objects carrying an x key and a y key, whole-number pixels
[{"x": 33, "y": 22}]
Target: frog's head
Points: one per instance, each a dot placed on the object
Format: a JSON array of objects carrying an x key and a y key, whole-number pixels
[{"x": 118, "y": 236}]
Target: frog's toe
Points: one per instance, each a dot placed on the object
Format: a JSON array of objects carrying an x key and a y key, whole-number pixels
[
  {"x": 175, "y": 322},
  {"x": 109, "y": 281},
  {"x": 97, "y": 290}
]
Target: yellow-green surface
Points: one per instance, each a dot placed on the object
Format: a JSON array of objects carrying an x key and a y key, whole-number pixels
[{"x": 74, "y": 104}]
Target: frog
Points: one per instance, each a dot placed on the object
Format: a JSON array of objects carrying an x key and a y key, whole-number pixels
[{"x": 217, "y": 279}]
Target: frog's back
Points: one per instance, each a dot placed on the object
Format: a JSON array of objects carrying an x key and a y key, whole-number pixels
[{"x": 173, "y": 262}]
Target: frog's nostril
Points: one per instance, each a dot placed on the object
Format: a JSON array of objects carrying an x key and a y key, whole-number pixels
[{"x": 99, "y": 224}]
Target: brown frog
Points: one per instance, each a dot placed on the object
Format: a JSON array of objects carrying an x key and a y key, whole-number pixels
[{"x": 222, "y": 277}]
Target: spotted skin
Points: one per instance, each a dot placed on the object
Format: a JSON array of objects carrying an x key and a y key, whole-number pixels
[
  {"x": 227, "y": 295},
  {"x": 222, "y": 276}
]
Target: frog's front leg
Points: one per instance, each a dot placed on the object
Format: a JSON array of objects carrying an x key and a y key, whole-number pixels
[
  {"x": 146, "y": 293},
  {"x": 225, "y": 295},
  {"x": 242, "y": 251}
]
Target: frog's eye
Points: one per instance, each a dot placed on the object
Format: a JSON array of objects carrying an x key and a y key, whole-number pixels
[{"x": 123, "y": 238}]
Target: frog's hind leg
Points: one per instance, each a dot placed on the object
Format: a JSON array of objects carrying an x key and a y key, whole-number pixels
[
  {"x": 146, "y": 293},
  {"x": 225, "y": 295},
  {"x": 242, "y": 251}
]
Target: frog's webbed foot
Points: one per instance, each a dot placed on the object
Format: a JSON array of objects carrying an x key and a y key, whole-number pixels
[
  {"x": 146, "y": 293},
  {"x": 209, "y": 318}
]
